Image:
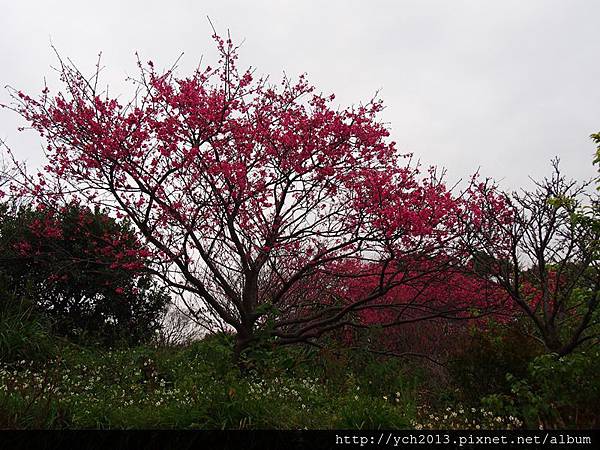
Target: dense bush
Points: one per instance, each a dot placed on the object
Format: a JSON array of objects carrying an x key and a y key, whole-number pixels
[
  {"x": 556, "y": 392},
  {"x": 485, "y": 356},
  {"x": 82, "y": 270}
]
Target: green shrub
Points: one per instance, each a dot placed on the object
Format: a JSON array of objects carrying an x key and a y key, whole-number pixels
[
  {"x": 557, "y": 392},
  {"x": 84, "y": 271},
  {"x": 23, "y": 334},
  {"x": 484, "y": 358}
]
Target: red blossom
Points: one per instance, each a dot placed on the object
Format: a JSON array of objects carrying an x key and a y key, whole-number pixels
[{"x": 246, "y": 189}]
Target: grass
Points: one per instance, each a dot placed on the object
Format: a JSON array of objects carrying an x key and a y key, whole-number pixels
[
  {"x": 199, "y": 387},
  {"x": 195, "y": 387}
]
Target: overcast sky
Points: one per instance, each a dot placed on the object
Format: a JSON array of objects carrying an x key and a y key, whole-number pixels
[{"x": 500, "y": 85}]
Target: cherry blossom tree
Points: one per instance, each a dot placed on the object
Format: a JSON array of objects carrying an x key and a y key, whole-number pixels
[
  {"x": 257, "y": 199},
  {"x": 7, "y": 173},
  {"x": 546, "y": 258},
  {"x": 449, "y": 296}
]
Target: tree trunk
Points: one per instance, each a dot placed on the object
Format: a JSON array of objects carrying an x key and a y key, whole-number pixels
[
  {"x": 552, "y": 340},
  {"x": 243, "y": 340}
]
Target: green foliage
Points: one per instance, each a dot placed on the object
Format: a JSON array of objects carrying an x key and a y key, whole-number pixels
[
  {"x": 23, "y": 337},
  {"x": 82, "y": 270},
  {"x": 480, "y": 365},
  {"x": 596, "y": 138},
  {"x": 194, "y": 387},
  {"x": 363, "y": 412},
  {"x": 589, "y": 215},
  {"x": 23, "y": 334},
  {"x": 557, "y": 392},
  {"x": 199, "y": 386}
]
